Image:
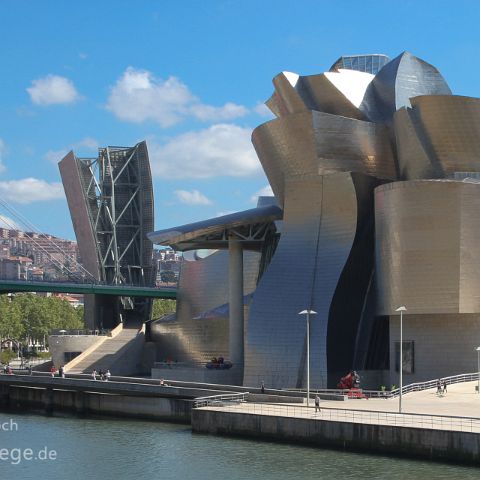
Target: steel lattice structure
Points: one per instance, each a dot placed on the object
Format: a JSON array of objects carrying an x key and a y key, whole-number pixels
[{"x": 111, "y": 202}]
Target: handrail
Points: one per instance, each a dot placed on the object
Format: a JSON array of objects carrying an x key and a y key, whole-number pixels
[
  {"x": 219, "y": 400},
  {"x": 412, "y": 420},
  {"x": 412, "y": 387}
]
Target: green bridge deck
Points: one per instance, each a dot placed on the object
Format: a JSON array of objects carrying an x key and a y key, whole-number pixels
[{"x": 12, "y": 286}]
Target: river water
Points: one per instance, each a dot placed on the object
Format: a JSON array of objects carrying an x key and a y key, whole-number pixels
[{"x": 37, "y": 447}]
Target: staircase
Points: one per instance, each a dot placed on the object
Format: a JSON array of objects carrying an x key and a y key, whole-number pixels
[{"x": 121, "y": 354}]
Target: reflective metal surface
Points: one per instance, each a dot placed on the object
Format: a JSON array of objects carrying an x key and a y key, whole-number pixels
[
  {"x": 321, "y": 223},
  {"x": 340, "y": 136},
  {"x": 401, "y": 79},
  {"x": 213, "y": 233},
  {"x": 315, "y": 143},
  {"x": 427, "y": 248},
  {"x": 191, "y": 336}
]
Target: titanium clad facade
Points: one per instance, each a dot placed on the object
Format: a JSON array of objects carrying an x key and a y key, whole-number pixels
[
  {"x": 414, "y": 161},
  {"x": 199, "y": 330},
  {"x": 427, "y": 246},
  {"x": 315, "y": 143},
  {"x": 451, "y": 128},
  {"x": 400, "y": 80},
  {"x": 315, "y": 260},
  {"x": 438, "y": 136},
  {"x": 355, "y": 242}
]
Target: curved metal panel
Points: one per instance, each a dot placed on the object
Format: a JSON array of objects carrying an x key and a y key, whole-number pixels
[
  {"x": 427, "y": 249},
  {"x": 203, "y": 286},
  {"x": 451, "y": 126},
  {"x": 287, "y": 98},
  {"x": 413, "y": 160},
  {"x": 319, "y": 143},
  {"x": 339, "y": 93},
  {"x": 401, "y": 79},
  {"x": 322, "y": 94},
  {"x": 318, "y": 231}
]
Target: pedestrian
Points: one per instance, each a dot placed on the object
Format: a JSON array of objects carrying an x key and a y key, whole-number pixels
[
  {"x": 317, "y": 403},
  {"x": 61, "y": 372},
  {"x": 53, "y": 370},
  {"x": 29, "y": 369},
  {"x": 439, "y": 387},
  {"x": 100, "y": 374},
  {"x": 262, "y": 388},
  {"x": 94, "y": 374},
  {"x": 5, "y": 368},
  {"x": 107, "y": 375},
  {"x": 444, "y": 386}
]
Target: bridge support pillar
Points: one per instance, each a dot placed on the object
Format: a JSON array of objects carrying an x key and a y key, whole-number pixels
[{"x": 235, "y": 294}]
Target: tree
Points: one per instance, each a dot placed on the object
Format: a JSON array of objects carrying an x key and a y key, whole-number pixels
[
  {"x": 11, "y": 324},
  {"x": 33, "y": 316},
  {"x": 163, "y": 307}
]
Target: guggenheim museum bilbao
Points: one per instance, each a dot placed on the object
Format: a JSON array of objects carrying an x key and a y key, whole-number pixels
[{"x": 375, "y": 167}]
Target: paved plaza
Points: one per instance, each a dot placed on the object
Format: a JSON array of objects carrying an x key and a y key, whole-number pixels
[{"x": 458, "y": 409}]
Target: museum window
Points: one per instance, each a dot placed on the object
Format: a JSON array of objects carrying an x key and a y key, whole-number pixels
[{"x": 408, "y": 356}]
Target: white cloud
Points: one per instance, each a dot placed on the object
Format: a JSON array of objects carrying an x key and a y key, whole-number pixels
[
  {"x": 226, "y": 212},
  {"x": 220, "y": 150},
  {"x": 87, "y": 143},
  {"x": 30, "y": 190},
  {"x": 266, "y": 191},
  {"x": 138, "y": 96},
  {"x": 7, "y": 222},
  {"x": 263, "y": 111},
  {"x": 3, "y": 149},
  {"x": 55, "y": 156},
  {"x": 53, "y": 89},
  {"x": 192, "y": 198}
]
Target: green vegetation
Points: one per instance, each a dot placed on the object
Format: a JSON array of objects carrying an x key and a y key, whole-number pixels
[
  {"x": 32, "y": 316},
  {"x": 163, "y": 307},
  {"x": 7, "y": 356}
]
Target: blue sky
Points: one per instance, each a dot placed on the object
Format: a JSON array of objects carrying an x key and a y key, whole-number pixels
[{"x": 189, "y": 77}]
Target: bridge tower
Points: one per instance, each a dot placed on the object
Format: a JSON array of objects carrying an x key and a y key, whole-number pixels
[{"x": 111, "y": 204}]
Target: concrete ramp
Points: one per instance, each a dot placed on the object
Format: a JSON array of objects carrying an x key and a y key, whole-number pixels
[{"x": 121, "y": 353}]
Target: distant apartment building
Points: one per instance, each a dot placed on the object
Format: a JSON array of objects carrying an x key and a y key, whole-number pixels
[
  {"x": 15, "y": 268},
  {"x": 45, "y": 254}
]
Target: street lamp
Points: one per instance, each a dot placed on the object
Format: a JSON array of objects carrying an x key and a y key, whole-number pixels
[
  {"x": 401, "y": 310},
  {"x": 308, "y": 313},
  {"x": 478, "y": 363}
]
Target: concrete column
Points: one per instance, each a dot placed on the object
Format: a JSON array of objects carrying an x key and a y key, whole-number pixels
[{"x": 235, "y": 296}]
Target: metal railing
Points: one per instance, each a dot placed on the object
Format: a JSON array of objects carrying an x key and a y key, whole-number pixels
[
  {"x": 412, "y": 387},
  {"x": 220, "y": 400},
  {"x": 372, "y": 417},
  {"x": 59, "y": 332}
]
